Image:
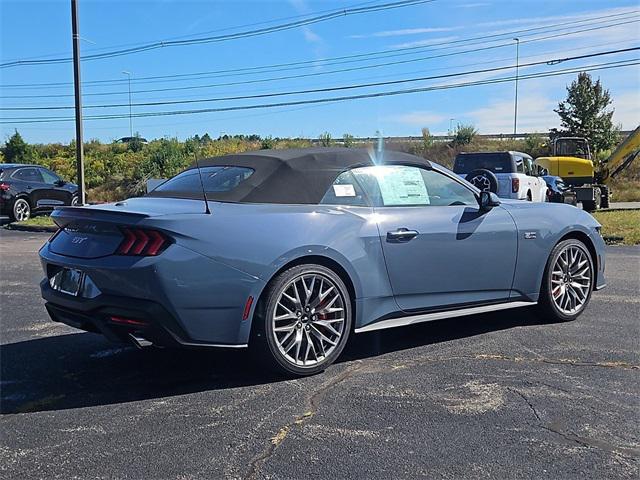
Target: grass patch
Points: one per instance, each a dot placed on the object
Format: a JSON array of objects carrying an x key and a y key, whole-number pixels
[
  {"x": 35, "y": 224},
  {"x": 620, "y": 223},
  {"x": 39, "y": 221}
]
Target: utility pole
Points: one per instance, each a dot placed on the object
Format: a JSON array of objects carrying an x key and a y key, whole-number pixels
[
  {"x": 451, "y": 126},
  {"x": 78, "y": 98},
  {"x": 128, "y": 74},
  {"x": 515, "y": 107}
]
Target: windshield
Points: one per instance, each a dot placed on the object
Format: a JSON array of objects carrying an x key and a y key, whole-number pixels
[{"x": 496, "y": 162}]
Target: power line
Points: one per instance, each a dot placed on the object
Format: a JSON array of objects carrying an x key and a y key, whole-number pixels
[
  {"x": 335, "y": 88},
  {"x": 584, "y": 68},
  {"x": 345, "y": 58},
  {"x": 316, "y": 74},
  {"x": 222, "y": 38},
  {"x": 226, "y": 29}
]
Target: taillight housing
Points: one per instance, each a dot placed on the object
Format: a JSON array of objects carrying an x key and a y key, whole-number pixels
[
  {"x": 142, "y": 242},
  {"x": 515, "y": 185},
  {"x": 4, "y": 187}
]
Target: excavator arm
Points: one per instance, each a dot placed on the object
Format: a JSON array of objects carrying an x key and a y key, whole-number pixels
[{"x": 622, "y": 156}]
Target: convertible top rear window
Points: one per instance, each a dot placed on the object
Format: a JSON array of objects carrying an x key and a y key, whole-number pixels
[{"x": 214, "y": 179}]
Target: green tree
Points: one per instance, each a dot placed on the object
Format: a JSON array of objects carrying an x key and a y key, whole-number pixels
[
  {"x": 348, "y": 140},
  {"x": 16, "y": 150},
  {"x": 464, "y": 134},
  {"x": 427, "y": 139},
  {"x": 325, "y": 139},
  {"x": 585, "y": 113}
]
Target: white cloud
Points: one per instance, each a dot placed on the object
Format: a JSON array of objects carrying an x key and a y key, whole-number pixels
[
  {"x": 473, "y": 5},
  {"x": 544, "y": 21},
  {"x": 627, "y": 106},
  {"x": 424, "y": 43},
  {"x": 535, "y": 114},
  {"x": 418, "y": 118},
  {"x": 404, "y": 31}
]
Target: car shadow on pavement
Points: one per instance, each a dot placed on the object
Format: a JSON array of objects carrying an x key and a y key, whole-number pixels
[{"x": 84, "y": 369}]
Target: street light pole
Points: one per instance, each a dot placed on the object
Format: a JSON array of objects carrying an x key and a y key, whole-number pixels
[
  {"x": 515, "y": 107},
  {"x": 128, "y": 74},
  {"x": 78, "y": 101},
  {"x": 451, "y": 125}
]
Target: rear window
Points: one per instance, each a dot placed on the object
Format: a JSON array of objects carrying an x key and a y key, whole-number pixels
[
  {"x": 496, "y": 162},
  {"x": 214, "y": 179}
]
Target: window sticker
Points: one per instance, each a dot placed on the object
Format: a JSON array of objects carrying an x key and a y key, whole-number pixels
[
  {"x": 402, "y": 186},
  {"x": 345, "y": 190}
]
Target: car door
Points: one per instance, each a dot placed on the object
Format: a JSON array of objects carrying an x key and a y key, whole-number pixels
[
  {"x": 439, "y": 247},
  {"x": 56, "y": 194},
  {"x": 32, "y": 184}
]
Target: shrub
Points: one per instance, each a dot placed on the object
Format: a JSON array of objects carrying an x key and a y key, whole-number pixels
[{"x": 464, "y": 134}]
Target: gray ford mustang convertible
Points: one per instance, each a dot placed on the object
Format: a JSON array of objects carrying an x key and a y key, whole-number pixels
[{"x": 293, "y": 251}]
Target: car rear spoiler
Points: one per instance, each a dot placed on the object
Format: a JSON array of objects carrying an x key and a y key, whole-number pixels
[{"x": 62, "y": 216}]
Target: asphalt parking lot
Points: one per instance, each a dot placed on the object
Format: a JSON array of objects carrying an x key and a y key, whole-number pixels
[{"x": 501, "y": 396}]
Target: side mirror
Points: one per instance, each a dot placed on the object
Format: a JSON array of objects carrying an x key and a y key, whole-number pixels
[
  {"x": 488, "y": 200},
  {"x": 60, "y": 183},
  {"x": 544, "y": 172}
]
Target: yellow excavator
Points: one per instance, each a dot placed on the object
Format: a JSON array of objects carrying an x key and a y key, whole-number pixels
[{"x": 571, "y": 159}]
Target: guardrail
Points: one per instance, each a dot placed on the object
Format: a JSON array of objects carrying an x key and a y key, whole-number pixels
[{"x": 445, "y": 138}]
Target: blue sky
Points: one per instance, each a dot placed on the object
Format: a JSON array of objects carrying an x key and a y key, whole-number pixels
[{"x": 36, "y": 29}]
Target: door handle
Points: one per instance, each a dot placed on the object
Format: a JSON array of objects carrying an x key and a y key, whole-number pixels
[{"x": 401, "y": 235}]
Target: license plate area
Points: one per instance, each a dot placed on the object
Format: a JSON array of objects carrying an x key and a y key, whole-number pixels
[{"x": 68, "y": 281}]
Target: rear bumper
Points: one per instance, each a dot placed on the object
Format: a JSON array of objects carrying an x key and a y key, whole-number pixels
[
  {"x": 155, "y": 323},
  {"x": 182, "y": 298}
]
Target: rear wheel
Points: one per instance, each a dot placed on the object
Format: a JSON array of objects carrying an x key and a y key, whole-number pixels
[
  {"x": 568, "y": 281},
  {"x": 596, "y": 203},
  {"x": 305, "y": 321},
  {"x": 21, "y": 210},
  {"x": 529, "y": 197}
]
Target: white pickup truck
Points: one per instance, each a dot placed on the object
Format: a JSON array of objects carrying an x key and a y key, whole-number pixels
[{"x": 507, "y": 174}]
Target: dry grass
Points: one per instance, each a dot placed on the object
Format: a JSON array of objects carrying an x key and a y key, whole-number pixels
[{"x": 620, "y": 223}]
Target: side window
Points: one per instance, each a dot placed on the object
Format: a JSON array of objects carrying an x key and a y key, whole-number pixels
[
  {"x": 400, "y": 185},
  {"x": 519, "y": 164},
  {"x": 48, "y": 176},
  {"x": 28, "y": 175},
  {"x": 528, "y": 167},
  {"x": 345, "y": 191}
]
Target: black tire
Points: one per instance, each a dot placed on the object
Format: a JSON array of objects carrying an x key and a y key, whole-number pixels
[
  {"x": 483, "y": 179},
  {"x": 529, "y": 196},
  {"x": 605, "y": 198},
  {"x": 589, "y": 206},
  {"x": 264, "y": 342},
  {"x": 21, "y": 210},
  {"x": 547, "y": 307}
]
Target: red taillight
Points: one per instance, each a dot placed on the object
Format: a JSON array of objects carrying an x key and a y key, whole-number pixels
[
  {"x": 4, "y": 186},
  {"x": 128, "y": 321},
  {"x": 142, "y": 242},
  {"x": 515, "y": 185}
]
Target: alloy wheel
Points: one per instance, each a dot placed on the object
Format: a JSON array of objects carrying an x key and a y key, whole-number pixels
[
  {"x": 21, "y": 210},
  {"x": 308, "y": 321},
  {"x": 571, "y": 279}
]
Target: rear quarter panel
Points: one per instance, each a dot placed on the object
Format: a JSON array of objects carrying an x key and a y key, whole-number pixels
[
  {"x": 550, "y": 222},
  {"x": 260, "y": 239}
]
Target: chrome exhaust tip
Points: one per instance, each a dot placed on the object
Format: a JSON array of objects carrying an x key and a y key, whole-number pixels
[{"x": 140, "y": 342}]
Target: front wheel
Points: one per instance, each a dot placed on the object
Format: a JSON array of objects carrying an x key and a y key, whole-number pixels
[
  {"x": 568, "y": 281},
  {"x": 305, "y": 321}
]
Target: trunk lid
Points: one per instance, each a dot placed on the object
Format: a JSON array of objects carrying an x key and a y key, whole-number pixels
[{"x": 97, "y": 231}]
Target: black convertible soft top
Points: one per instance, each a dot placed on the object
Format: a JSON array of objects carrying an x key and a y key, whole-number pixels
[{"x": 294, "y": 176}]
